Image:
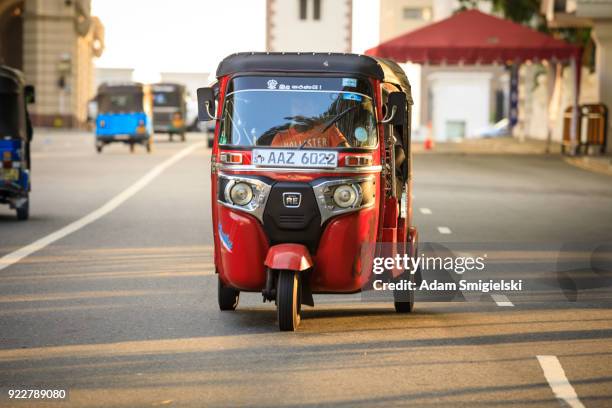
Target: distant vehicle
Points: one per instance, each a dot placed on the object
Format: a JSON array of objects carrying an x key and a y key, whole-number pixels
[
  {"x": 170, "y": 109},
  {"x": 125, "y": 113},
  {"x": 501, "y": 128},
  {"x": 15, "y": 138}
]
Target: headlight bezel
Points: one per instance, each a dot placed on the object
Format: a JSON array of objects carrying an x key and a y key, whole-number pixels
[
  {"x": 259, "y": 189},
  {"x": 325, "y": 189}
]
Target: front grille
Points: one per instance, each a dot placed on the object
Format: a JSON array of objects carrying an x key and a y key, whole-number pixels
[
  {"x": 289, "y": 220},
  {"x": 299, "y": 225}
]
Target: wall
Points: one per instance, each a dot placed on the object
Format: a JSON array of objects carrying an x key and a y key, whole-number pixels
[
  {"x": 450, "y": 92},
  {"x": 286, "y": 32},
  {"x": 60, "y": 41}
]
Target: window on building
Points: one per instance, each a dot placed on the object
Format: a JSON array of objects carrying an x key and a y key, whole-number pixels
[
  {"x": 417, "y": 13},
  {"x": 303, "y": 9},
  {"x": 317, "y": 9}
]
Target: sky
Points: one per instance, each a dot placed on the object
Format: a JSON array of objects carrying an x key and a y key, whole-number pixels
[{"x": 155, "y": 36}]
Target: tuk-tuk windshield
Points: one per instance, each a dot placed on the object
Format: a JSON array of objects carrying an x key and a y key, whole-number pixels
[
  {"x": 9, "y": 115},
  {"x": 298, "y": 112},
  {"x": 165, "y": 98},
  {"x": 120, "y": 102}
]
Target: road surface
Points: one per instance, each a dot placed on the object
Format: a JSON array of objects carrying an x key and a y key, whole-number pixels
[{"x": 120, "y": 308}]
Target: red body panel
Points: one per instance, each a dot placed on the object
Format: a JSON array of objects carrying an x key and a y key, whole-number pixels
[
  {"x": 242, "y": 246},
  {"x": 293, "y": 257},
  {"x": 339, "y": 260}
]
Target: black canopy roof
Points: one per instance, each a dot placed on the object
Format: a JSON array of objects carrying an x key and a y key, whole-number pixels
[
  {"x": 165, "y": 86},
  {"x": 11, "y": 80},
  {"x": 328, "y": 63},
  {"x": 120, "y": 87}
]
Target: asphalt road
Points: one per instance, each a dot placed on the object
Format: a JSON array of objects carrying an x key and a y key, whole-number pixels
[{"x": 122, "y": 311}]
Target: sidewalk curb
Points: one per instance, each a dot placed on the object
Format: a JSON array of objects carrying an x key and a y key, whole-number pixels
[{"x": 594, "y": 165}]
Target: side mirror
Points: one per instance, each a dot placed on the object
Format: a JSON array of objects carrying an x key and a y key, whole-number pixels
[
  {"x": 396, "y": 109},
  {"x": 29, "y": 94},
  {"x": 206, "y": 104}
]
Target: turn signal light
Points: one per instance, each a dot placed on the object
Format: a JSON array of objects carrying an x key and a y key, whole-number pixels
[
  {"x": 357, "y": 161},
  {"x": 7, "y": 159},
  {"x": 230, "y": 158}
]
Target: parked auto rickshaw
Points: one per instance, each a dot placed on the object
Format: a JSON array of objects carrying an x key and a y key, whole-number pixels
[
  {"x": 15, "y": 138},
  {"x": 311, "y": 165},
  {"x": 125, "y": 112},
  {"x": 169, "y": 109}
]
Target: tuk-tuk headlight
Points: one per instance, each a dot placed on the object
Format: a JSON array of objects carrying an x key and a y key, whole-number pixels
[
  {"x": 342, "y": 195},
  {"x": 241, "y": 193},
  {"x": 345, "y": 196},
  {"x": 248, "y": 194}
]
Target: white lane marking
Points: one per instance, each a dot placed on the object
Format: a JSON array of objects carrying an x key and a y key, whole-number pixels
[
  {"x": 424, "y": 210},
  {"x": 444, "y": 230},
  {"x": 563, "y": 390},
  {"x": 501, "y": 300},
  {"x": 16, "y": 256}
]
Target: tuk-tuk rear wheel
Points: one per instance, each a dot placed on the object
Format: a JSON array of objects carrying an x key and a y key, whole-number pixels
[
  {"x": 23, "y": 212},
  {"x": 404, "y": 299},
  {"x": 288, "y": 302},
  {"x": 228, "y": 297}
]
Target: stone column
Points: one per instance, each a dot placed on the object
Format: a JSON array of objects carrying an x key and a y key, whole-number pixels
[{"x": 602, "y": 34}]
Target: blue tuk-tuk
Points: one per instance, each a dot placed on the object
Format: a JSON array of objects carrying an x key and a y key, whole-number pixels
[
  {"x": 125, "y": 114},
  {"x": 15, "y": 138}
]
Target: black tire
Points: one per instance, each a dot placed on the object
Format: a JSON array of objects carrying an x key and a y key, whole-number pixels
[
  {"x": 99, "y": 147},
  {"x": 403, "y": 300},
  {"x": 228, "y": 297},
  {"x": 132, "y": 148},
  {"x": 288, "y": 302},
  {"x": 23, "y": 212}
]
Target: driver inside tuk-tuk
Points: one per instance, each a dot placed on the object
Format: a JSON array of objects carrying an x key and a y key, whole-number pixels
[{"x": 315, "y": 132}]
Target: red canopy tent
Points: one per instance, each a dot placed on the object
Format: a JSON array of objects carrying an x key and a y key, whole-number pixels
[{"x": 472, "y": 37}]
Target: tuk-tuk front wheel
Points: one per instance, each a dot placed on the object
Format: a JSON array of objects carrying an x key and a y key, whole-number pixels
[
  {"x": 288, "y": 302},
  {"x": 228, "y": 297}
]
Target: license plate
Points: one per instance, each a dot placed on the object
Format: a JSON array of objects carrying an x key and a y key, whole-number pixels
[
  {"x": 295, "y": 158},
  {"x": 9, "y": 174}
]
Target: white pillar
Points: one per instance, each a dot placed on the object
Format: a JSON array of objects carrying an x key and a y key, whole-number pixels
[{"x": 602, "y": 34}]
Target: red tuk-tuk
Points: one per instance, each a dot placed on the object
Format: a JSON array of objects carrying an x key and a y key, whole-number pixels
[{"x": 311, "y": 164}]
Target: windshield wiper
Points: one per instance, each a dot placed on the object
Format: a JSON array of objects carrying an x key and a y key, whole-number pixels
[{"x": 339, "y": 116}]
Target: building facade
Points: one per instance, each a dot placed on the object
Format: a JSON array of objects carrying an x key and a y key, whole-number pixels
[
  {"x": 54, "y": 43},
  {"x": 440, "y": 91},
  {"x": 309, "y": 25},
  {"x": 597, "y": 15}
]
